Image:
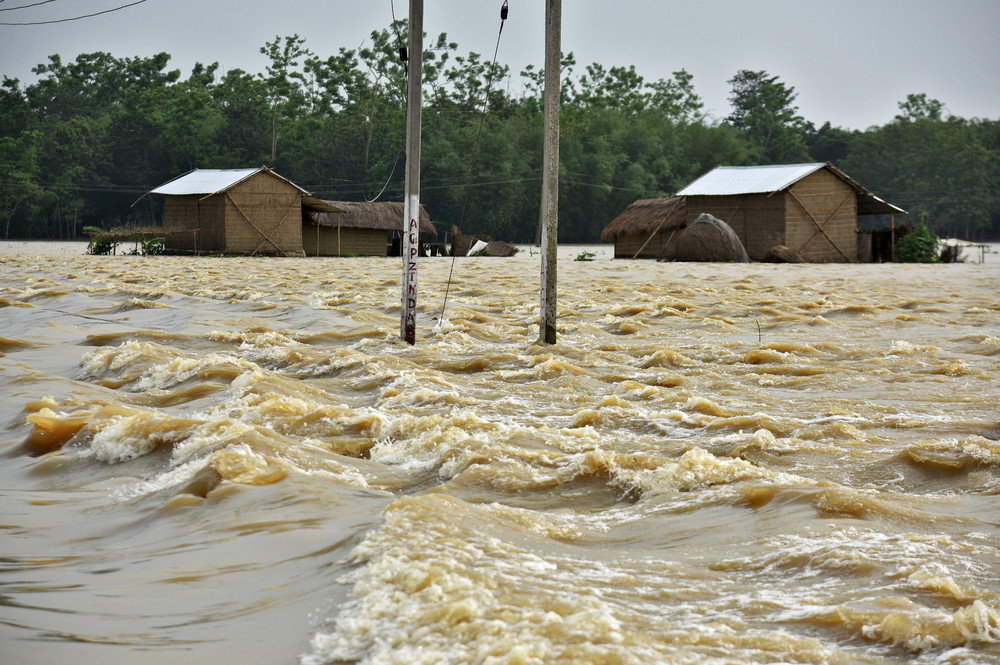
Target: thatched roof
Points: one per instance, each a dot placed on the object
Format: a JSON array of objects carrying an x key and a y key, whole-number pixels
[
  {"x": 378, "y": 216},
  {"x": 647, "y": 216}
]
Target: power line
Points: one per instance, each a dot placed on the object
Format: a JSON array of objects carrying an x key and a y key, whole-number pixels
[
  {"x": 475, "y": 151},
  {"x": 10, "y": 9},
  {"x": 74, "y": 18}
]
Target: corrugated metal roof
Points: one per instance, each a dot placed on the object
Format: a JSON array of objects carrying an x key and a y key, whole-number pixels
[
  {"x": 205, "y": 181},
  {"x": 729, "y": 180},
  {"x": 737, "y": 180}
]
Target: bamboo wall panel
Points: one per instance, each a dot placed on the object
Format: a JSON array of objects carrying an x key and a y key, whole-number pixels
[
  {"x": 356, "y": 242},
  {"x": 765, "y": 224},
  {"x": 831, "y": 203},
  {"x": 626, "y": 245},
  {"x": 212, "y": 231},
  {"x": 757, "y": 219},
  {"x": 264, "y": 216},
  {"x": 190, "y": 224}
]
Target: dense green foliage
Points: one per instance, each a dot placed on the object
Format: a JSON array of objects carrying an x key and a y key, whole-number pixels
[
  {"x": 917, "y": 246},
  {"x": 83, "y": 143}
]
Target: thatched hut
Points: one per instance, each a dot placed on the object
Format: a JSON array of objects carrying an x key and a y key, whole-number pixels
[
  {"x": 359, "y": 229},
  {"x": 240, "y": 211},
  {"x": 646, "y": 229},
  {"x": 811, "y": 209}
]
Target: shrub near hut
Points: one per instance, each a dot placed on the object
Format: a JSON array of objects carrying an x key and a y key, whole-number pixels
[{"x": 917, "y": 246}]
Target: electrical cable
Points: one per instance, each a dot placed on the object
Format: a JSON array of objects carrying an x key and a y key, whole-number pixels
[
  {"x": 76, "y": 18},
  {"x": 10, "y": 9},
  {"x": 389, "y": 179},
  {"x": 403, "y": 57},
  {"x": 475, "y": 155}
]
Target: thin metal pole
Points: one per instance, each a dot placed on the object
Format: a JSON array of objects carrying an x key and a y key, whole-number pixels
[
  {"x": 550, "y": 170},
  {"x": 892, "y": 238},
  {"x": 411, "y": 206}
]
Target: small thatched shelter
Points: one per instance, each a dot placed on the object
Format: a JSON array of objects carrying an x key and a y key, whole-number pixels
[
  {"x": 646, "y": 228},
  {"x": 359, "y": 229},
  {"x": 239, "y": 211}
]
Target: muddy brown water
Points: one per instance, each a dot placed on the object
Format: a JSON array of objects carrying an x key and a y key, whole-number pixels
[{"x": 238, "y": 461}]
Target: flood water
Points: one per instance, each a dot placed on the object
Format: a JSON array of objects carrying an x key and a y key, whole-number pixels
[{"x": 236, "y": 460}]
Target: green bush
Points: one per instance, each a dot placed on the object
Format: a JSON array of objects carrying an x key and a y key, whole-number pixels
[
  {"x": 917, "y": 246},
  {"x": 99, "y": 242}
]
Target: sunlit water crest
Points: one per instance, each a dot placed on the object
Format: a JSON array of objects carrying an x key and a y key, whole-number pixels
[{"x": 237, "y": 460}]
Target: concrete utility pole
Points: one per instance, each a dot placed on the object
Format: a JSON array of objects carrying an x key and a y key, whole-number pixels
[
  {"x": 550, "y": 169},
  {"x": 411, "y": 206}
]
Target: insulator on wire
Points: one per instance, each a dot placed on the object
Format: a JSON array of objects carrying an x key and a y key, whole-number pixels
[
  {"x": 503, "y": 11},
  {"x": 403, "y": 56}
]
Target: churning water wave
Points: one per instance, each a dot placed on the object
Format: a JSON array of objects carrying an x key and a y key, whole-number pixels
[{"x": 237, "y": 460}]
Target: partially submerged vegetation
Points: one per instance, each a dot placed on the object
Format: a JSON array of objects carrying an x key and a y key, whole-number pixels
[
  {"x": 106, "y": 241},
  {"x": 918, "y": 246}
]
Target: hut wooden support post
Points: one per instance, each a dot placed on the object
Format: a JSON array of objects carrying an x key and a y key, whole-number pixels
[
  {"x": 819, "y": 226},
  {"x": 892, "y": 238}
]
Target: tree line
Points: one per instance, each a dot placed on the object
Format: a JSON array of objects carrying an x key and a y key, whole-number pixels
[{"x": 81, "y": 144}]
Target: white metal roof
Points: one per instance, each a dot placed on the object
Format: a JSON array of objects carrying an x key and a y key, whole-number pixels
[
  {"x": 727, "y": 180},
  {"x": 205, "y": 182},
  {"x": 211, "y": 181},
  {"x": 735, "y": 180}
]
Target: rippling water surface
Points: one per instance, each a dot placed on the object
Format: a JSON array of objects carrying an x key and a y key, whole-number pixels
[{"x": 237, "y": 460}]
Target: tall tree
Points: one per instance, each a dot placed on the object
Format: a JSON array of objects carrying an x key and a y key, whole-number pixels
[
  {"x": 244, "y": 138},
  {"x": 675, "y": 97},
  {"x": 285, "y": 82},
  {"x": 764, "y": 112},
  {"x": 828, "y": 143},
  {"x": 931, "y": 165}
]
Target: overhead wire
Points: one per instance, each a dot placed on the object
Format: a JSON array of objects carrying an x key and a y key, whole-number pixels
[
  {"x": 10, "y": 9},
  {"x": 401, "y": 50},
  {"x": 73, "y": 18},
  {"x": 475, "y": 154}
]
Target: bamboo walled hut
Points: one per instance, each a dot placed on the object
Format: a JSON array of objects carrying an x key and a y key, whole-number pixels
[
  {"x": 811, "y": 209},
  {"x": 808, "y": 210},
  {"x": 238, "y": 211},
  {"x": 360, "y": 229}
]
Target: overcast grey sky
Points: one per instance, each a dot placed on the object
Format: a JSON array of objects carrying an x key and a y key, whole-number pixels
[{"x": 850, "y": 62}]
